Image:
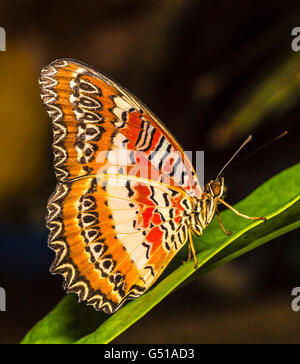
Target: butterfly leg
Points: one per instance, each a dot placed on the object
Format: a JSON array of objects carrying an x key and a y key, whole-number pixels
[
  {"x": 189, "y": 255},
  {"x": 221, "y": 224},
  {"x": 192, "y": 248},
  {"x": 238, "y": 213},
  {"x": 190, "y": 251}
]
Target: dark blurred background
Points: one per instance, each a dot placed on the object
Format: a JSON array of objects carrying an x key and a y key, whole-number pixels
[{"x": 213, "y": 72}]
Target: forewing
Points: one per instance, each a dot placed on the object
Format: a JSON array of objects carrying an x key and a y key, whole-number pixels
[{"x": 98, "y": 125}]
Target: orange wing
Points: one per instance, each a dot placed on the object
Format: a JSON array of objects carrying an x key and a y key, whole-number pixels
[
  {"x": 119, "y": 212},
  {"x": 112, "y": 242},
  {"x": 92, "y": 114}
]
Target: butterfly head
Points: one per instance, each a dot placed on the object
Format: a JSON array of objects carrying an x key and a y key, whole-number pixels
[{"x": 215, "y": 189}]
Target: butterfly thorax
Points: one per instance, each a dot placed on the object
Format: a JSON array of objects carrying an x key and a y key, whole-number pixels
[{"x": 205, "y": 206}]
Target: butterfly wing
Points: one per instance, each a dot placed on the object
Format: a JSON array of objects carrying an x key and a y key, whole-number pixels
[
  {"x": 92, "y": 114},
  {"x": 112, "y": 240},
  {"x": 125, "y": 188}
]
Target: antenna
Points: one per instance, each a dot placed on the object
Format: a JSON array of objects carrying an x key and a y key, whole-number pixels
[
  {"x": 241, "y": 147},
  {"x": 255, "y": 151}
]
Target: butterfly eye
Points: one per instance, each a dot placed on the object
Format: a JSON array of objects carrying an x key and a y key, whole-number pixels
[{"x": 216, "y": 189}]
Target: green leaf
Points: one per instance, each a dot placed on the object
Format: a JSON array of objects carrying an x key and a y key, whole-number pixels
[
  {"x": 278, "y": 199},
  {"x": 65, "y": 324}
]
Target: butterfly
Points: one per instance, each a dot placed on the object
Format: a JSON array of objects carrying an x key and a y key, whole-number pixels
[{"x": 127, "y": 198}]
